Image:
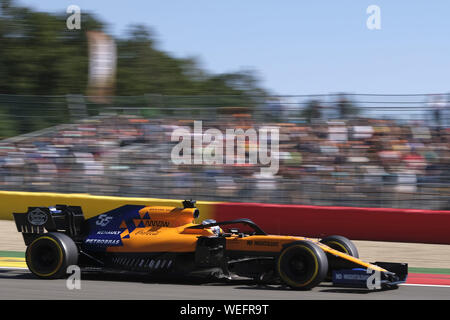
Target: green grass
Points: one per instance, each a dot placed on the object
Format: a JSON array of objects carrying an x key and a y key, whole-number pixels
[
  {"x": 12, "y": 254},
  {"x": 429, "y": 270}
]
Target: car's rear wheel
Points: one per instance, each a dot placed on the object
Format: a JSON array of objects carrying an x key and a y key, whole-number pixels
[
  {"x": 302, "y": 265},
  {"x": 49, "y": 255}
]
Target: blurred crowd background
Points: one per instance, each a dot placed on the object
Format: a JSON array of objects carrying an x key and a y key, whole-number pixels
[
  {"x": 76, "y": 117},
  {"x": 346, "y": 150}
]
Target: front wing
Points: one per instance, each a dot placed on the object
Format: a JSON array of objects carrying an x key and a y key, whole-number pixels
[{"x": 372, "y": 279}]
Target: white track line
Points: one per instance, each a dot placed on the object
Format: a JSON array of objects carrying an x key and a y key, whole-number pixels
[
  {"x": 402, "y": 284},
  {"x": 13, "y": 268},
  {"x": 425, "y": 285}
]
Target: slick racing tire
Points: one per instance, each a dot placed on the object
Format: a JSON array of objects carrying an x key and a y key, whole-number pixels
[
  {"x": 341, "y": 244},
  {"x": 302, "y": 265},
  {"x": 49, "y": 255}
]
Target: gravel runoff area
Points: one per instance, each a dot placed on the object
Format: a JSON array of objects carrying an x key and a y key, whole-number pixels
[{"x": 417, "y": 255}]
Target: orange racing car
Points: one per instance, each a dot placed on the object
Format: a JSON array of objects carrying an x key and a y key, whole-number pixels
[{"x": 162, "y": 241}]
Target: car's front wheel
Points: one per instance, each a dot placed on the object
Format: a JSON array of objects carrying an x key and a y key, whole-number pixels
[
  {"x": 341, "y": 244},
  {"x": 302, "y": 265}
]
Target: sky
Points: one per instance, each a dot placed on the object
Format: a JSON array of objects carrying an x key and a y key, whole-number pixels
[{"x": 296, "y": 47}]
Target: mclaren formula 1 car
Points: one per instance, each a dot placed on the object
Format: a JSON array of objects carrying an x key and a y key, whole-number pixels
[{"x": 162, "y": 240}]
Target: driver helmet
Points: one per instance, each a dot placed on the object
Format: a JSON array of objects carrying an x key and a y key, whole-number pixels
[{"x": 215, "y": 229}]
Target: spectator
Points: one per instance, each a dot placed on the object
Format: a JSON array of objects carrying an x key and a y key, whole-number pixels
[{"x": 363, "y": 162}]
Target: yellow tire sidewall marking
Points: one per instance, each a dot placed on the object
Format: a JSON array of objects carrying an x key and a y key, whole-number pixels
[
  {"x": 339, "y": 245},
  {"x": 286, "y": 278},
  {"x": 61, "y": 257}
]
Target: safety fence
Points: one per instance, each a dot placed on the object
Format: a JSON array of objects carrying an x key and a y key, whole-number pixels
[{"x": 374, "y": 224}]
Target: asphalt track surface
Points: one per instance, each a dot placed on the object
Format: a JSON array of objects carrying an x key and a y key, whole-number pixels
[{"x": 21, "y": 284}]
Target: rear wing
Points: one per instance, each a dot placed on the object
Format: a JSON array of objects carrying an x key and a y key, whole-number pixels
[{"x": 61, "y": 218}]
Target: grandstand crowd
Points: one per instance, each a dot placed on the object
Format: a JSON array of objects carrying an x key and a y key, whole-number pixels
[{"x": 357, "y": 162}]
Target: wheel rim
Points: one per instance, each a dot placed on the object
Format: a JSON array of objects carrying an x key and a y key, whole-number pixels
[
  {"x": 298, "y": 266},
  {"x": 44, "y": 257}
]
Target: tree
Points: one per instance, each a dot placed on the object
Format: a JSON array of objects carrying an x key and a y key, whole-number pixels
[
  {"x": 40, "y": 56},
  {"x": 345, "y": 107},
  {"x": 312, "y": 110}
]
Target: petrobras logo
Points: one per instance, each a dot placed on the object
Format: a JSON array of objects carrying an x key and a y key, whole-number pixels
[{"x": 104, "y": 242}]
